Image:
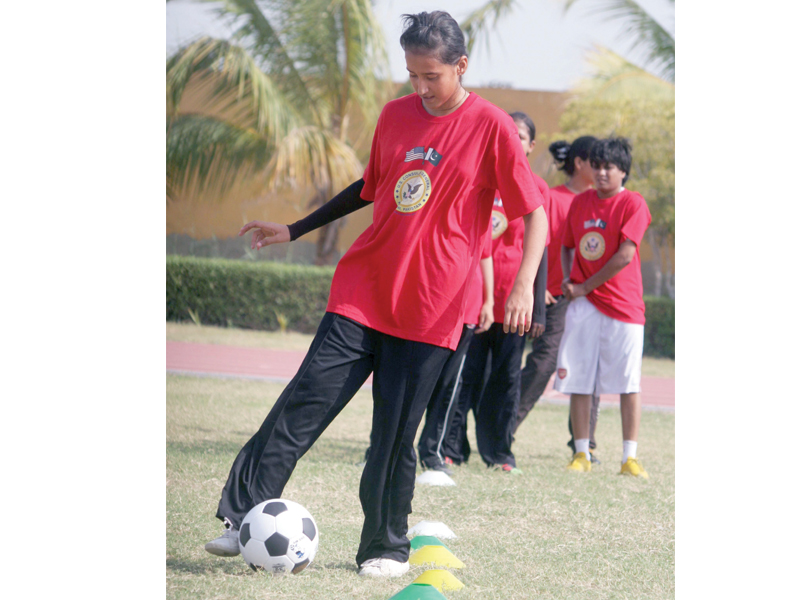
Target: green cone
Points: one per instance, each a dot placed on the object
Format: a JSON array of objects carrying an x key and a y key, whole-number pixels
[
  {"x": 425, "y": 540},
  {"x": 419, "y": 591}
]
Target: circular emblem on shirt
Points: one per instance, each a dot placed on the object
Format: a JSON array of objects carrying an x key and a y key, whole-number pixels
[
  {"x": 499, "y": 224},
  {"x": 592, "y": 245},
  {"x": 412, "y": 191}
]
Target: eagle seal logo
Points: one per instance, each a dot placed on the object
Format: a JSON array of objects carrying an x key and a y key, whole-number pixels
[
  {"x": 592, "y": 245},
  {"x": 499, "y": 224},
  {"x": 412, "y": 191}
]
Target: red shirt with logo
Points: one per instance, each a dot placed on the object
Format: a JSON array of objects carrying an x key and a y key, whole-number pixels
[
  {"x": 560, "y": 200},
  {"x": 596, "y": 228},
  {"x": 507, "y": 238},
  {"x": 432, "y": 180}
]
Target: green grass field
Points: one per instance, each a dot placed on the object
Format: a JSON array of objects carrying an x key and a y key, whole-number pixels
[{"x": 548, "y": 533}]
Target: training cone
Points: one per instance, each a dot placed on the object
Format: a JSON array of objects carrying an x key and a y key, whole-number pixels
[
  {"x": 434, "y": 478},
  {"x": 440, "y": 579},
  {"x": 437, "y": 528},
  {"x": 438, "y": 556},
  {"x": 426, "y": 540},
  {"x": 419, "y": 591}
]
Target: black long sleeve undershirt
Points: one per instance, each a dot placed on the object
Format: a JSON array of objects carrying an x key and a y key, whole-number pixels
[
  {"x": 342, "y": 204},
  {"x": 539, "y": 289}
]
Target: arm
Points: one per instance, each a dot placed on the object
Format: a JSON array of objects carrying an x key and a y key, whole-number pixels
[
  {"x": 487, "y": 310},
  {"x": 519, "y": 306},
  {"x": 266, "y": 233},
  {"x": 539, "y": 298},
  {"x": 621, "y": 259},
  {"x": 567, "y": 255}
]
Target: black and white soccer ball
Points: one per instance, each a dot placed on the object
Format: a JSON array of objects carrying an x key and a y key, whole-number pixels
[{"x": 279, "y": 536}]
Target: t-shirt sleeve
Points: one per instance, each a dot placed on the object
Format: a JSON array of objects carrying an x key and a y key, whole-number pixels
[
  {"x": 514, "y": 177},
  {"x": 567, "y": 239},
  {"x": 637, "y": 220},
  {"x": 372, "y": 172}
]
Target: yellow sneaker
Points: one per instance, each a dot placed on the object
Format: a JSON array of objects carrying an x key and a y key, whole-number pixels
[
  {"x": 634, "y": 467},
  {"x": 580, "y": 463}
]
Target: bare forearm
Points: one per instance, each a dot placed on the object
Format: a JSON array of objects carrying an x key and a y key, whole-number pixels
[
  {"x": 615, "y": 264},
  {"x": 487, "y": 270}
]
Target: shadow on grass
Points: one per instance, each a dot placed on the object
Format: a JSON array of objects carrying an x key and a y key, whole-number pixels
[
  {"x": 342, "y": 566},
  {"x": 200, "y": 567}
]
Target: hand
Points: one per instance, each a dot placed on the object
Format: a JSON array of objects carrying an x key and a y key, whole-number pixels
[
  {"x": 537, "y": 329},
  {"x": 265, "y": 234},
  {"x": 574, "y": 290},
  {"x": 486, "y": 319},
  {"x": 549, "y": 298},
  {"x": 519, "y": 310}
]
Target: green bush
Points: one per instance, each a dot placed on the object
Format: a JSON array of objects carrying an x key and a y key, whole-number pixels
[
  {"x": 659, "y": 328},
  {"x": 251, "y": 295},
  {"x": 269, "y": 296}
]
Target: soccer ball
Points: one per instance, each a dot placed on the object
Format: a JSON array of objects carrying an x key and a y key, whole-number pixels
[{"x": 279, "y": 536}]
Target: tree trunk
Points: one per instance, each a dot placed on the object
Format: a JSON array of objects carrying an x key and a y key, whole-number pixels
[
  {"x": 328, "y": 241},
  {"x": 657, "y": 262}
]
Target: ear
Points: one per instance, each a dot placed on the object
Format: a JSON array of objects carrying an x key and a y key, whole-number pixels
[{"x": 461, "y": 65}]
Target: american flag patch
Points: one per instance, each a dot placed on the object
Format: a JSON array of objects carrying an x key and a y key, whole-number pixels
[{"x": 417, "y": 153}]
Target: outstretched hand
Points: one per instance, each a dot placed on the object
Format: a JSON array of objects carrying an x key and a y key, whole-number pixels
[{"x": 265, "y": 234}]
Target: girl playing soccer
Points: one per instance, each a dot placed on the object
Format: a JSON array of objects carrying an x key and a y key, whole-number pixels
[
  {"x": 540, "y": 363},
  {"x": 397, "y": 299}
]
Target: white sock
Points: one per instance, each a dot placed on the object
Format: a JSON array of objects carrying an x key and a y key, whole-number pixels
[
  {"x": 582, "y": 446},
  {"x": 628, "y": 450}
]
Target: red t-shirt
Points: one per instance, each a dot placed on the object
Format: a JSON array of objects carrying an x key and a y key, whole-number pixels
[
  {"x": 560, "y": 201},
  {"x": 432, "y": 180},
  {"x": 598, "y": 228},
  {"x": 507, "y": 239},
  {"x": 472, "y": 313}
]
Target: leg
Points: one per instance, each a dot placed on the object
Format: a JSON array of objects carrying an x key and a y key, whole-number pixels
[
  {"x": 455, "y": 443},
  {"x": 592, "y": 425},
  {"x": 540, "y": 364},
  {"x": 580, "y": 406},
  {"x": 400, "y": 396},
  {"x": 497, "y": 411},
  {"x": 337, "y": 364},
  {"x": 631, "y": 409},
  {"x": 442, "y": 404}
]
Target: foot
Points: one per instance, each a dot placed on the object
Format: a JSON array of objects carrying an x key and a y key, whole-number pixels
[
  {"x": 507, "y": 468},
  {"x": 436, "y": 464},
  {"x": 227, "y": 544},
  {"x": 580, "y": 463},
  {"x": 635, "y": 468},
  {"x": 383, "y": 567},
  {"x": 594, "y": 459}
]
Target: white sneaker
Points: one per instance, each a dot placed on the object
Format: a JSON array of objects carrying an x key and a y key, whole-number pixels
[
  {"x": 227, "y": 544},
  {"x": 383, "y": 567}
]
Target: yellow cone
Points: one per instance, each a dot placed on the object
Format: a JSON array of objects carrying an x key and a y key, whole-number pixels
[
  {"x": 438, "y": 556},
  {"x": 440, "y": 579}
]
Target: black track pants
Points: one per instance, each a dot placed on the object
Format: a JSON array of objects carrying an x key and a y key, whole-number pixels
[
  {"x": 443, "y": 403},
  {"x": 340, "y": 359}
]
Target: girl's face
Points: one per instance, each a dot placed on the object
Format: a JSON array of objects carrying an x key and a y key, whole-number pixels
[
  {"x": 607, "y": 179},
  {"x": 436, "y": 83},
  {"x": 525, "y": 138}
]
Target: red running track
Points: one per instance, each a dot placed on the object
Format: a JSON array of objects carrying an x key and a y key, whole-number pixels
[{"x": 658, "y": 393}]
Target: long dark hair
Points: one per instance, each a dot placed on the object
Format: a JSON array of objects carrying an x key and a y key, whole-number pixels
[
  {"x": 565, "y": 153},
  {"x": 434, "y": 33}
]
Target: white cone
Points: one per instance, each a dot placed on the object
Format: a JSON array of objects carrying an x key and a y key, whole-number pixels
[
  {"x": 434, "y": 528},
  {"x": 434, "y": 478}
]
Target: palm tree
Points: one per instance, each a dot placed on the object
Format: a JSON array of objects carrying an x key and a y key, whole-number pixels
[
  {"x": 279, "y": 97},
  {"x": 643, "y": 31}
]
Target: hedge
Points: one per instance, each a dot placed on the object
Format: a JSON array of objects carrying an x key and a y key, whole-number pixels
[
  {"x": 259, "y": 295},
  {"x": 251, "y": 295}
]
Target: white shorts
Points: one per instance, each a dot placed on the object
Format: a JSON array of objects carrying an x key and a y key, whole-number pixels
[{"x": 598, "y": 354}]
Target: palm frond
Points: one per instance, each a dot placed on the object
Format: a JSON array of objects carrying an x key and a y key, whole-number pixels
[
  {"x": 615, "y": 78},
  {"x": 313, "y": 157},
  {"x": 230, "y": 68},
  {"x": 643, "y": 31},
  {"x": 477, "y": 24},
  {"x": 212, "y": 153}
]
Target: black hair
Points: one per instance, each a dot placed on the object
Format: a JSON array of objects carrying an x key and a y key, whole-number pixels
[
  {"x": 521, "y": 117},
  {"x": 434, "y": 33},
  {"x": 612, "y": 151},
  {"x": 565, "y": 153}
]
